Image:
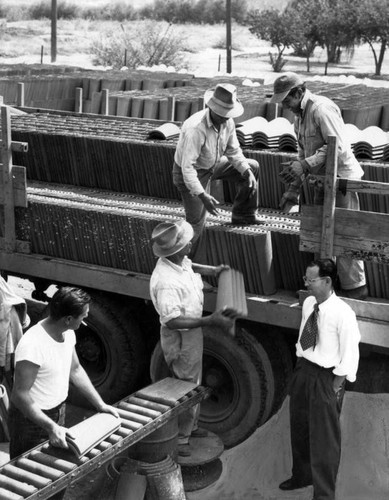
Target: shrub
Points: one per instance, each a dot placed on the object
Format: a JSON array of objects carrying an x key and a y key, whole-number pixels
[
  {"x": 43, "y": 9},
  {"x": 113, "y": 12},
  {"x": 148, "y": 43},
  {"x": 277, "y": 62}
]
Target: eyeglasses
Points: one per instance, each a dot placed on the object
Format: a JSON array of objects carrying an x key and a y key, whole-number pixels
[{"x": 312, "y": 280}]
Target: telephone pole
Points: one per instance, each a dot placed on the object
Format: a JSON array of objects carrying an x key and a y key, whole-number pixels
[
  {"x": 228, "y": 35},
  {"x": 53, "y": 31}
]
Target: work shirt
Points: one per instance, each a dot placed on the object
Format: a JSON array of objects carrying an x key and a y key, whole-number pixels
[
  {"x": 201, "y": 145},
  {"x": 338, "y": 339},
  {"x": 319, "y": 119},
  {"x": 54, "y": 359},
  {"x": 178, "y": 291}
]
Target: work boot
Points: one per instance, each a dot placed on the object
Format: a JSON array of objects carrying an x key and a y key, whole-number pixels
[
  {"x": 245, "y": 220},
  {"x": 199, "y": 433}
]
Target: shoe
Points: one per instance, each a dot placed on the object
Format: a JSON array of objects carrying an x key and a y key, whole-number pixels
[
  {"x": 359, "y": 293},
  {"x": 199, "y": 433},
  {"x": 292, "y": 484},
  {"x": 183, "y": 450},
  {"x": 246, "y": 220}
]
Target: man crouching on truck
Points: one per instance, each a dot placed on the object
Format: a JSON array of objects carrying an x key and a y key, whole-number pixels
[
  {"x": 176, "y": 290},
  {"x": 45, "y": 360},
  {"x": 327, "y": 354}
]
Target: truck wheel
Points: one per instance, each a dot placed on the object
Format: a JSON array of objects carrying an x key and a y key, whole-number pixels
[
  {"x": 240, "y": 373},
  {"x": 110, "y": 349}
]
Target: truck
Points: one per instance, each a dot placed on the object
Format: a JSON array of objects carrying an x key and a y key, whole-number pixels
[{"x": 52, "y": 214}]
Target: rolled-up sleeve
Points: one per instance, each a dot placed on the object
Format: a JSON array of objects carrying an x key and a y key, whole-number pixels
[{"x": 168, "y": 304}]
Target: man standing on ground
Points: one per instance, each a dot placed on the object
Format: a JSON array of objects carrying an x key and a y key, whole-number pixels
[
  {"x": 316, "y": 118},
  {"x": 208, "y": 149},
  {"x": 45, "y": 360},
  {"x": 327, "y": 354},
  {"x": 177, "y": 294}
]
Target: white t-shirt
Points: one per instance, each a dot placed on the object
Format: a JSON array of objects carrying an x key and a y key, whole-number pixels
[{"x": 54, "y": 360}]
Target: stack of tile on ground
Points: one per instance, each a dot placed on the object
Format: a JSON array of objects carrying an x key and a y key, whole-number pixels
[{"x": 370, "y": 142}]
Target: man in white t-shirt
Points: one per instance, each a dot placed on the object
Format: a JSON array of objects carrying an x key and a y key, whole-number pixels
[{"x": 45, "y": 361}]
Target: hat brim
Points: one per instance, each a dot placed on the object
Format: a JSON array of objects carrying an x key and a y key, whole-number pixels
[
  {"x": 234, "y": 112},
  {"x": 278, "y": 98},
  {"x": 186, "y": 238}
]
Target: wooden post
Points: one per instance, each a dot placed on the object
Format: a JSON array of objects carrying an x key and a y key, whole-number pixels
[
  {"x": 20, "y": 94},
  {"x": 328, "y": 222},
  {"x": 78, "y": 101},
  {"x": 6, "y": 158},
  {"x": 105, "y": 102}
]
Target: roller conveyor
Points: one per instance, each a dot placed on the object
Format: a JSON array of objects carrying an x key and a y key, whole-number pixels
[{"x": 45, "y": 470}]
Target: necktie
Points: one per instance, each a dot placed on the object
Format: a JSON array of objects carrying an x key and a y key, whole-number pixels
[{"x": 310, "y": 330}]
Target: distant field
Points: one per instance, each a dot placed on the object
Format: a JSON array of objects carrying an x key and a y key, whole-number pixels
[{"x": 252, "y": 4}]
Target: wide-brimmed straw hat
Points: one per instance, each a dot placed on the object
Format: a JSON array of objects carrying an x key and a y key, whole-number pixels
[
  {"x": 169, "y": 238},
  {"x": 284, "y": 84},
  {"x": 224, "y": 101}
]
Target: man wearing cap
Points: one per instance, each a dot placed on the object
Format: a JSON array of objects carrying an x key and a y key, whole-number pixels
[
  {"x": 177, "y": 294},
  {"x": 317, "y": 118},
  {"x": 208, "y": 149}
]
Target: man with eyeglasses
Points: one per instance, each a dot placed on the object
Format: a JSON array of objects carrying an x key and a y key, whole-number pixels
[
  {"x": 316, "y": 118},
  {"x": 327, "y": 355}
]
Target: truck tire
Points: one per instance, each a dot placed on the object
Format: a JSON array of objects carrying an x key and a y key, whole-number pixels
[
  {"x": 111, "y": 350},
  {"x": 240, "y": 373}
]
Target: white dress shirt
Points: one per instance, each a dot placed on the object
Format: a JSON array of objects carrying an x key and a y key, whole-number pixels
[{"x": 338, "y": 338}]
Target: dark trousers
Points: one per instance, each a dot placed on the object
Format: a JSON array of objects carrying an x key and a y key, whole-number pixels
[
  {"x": 315, "y": 428},
  {"x": 245, "y": 202},
  {"x": 25, "y": 434}
]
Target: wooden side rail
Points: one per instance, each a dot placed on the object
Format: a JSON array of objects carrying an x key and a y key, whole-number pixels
[{"x": 338, "y": 231}]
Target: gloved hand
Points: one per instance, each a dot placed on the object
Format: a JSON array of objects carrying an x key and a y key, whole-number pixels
[
  {"x": 290, "y": 199},
  {"x": 292, "y": 172}
]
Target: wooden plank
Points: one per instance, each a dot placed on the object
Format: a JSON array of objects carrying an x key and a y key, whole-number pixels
[
  {"x": 370, "y": 309},
  {"x": 19, "y": 185},
  {"x": 366, "y": 186},
  {"x": 107, "y": 279},
  {"x": 6, "y": 157},
  {"x": 358, "y": 234},
  {"x": 328, "y": 213},
  {"x": 23, "y": 247}
]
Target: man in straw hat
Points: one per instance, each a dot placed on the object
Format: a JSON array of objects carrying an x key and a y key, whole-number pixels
[
  {"x": 317, "y": 118},
  {"x": 177, "y": 294},
  {"x": 208, "y": 149}
]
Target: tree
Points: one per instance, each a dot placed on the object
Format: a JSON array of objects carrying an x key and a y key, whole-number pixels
[
  {"x": 373, "y": 27},
  {"x": 273, "y": 26},
  {"x": 304, "y": 28},
  {"x": 336, "y": 22}
]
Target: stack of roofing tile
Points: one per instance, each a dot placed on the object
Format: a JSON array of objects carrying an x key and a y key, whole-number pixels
[
  {"x": 113, "y": 230},
  {"x": 371, "y": 142},
  {"x": 115, "y": 154}
]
